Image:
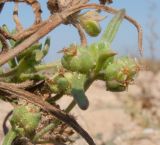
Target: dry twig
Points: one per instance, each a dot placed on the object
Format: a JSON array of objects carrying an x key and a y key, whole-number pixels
[
  {"x": 81, "y": 34},
  {"x": 19, "y": 27}
]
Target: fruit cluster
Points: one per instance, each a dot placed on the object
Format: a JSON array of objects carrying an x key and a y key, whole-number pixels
[{"x": 95, "y": 61}]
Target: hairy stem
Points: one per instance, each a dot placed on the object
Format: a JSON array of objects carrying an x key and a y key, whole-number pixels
[{"x": 11, "y": 135}]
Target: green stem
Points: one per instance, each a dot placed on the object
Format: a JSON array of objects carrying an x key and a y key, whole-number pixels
[
  {"x": 67, "y": 110},
  {"x": 47, "y": 66},
  {"x": 55, "y": 98},
  {"x": 11, "y": 135},
  {"x": 70, "y": 106},
  {"x": 45, "y": 130}
]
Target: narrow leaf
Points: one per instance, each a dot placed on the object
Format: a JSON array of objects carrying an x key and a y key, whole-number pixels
[
  {"x": 78, "y": 91},
  {"x": 113, "y": 27}
]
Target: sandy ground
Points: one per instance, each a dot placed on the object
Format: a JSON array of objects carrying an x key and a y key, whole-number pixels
[{"x": 128, "y": 118}]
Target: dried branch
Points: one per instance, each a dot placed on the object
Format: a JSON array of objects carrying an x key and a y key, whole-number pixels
[
  {"x": 103, "y": 2},
  {"x": 1, "y": 7},
  {"x": 57, "y": 19},
  {"x": 81, "y": 34},
  {"x": 26, "y": 33},
  {"x": 33, "y": 3},
  {"x": 34, "y": 99},
  {"x": 50, "y": 24},
  {"x": 36, "y": 9},
  {"x": 19, "y": 27},
  {"x": 4, "y": 43}
]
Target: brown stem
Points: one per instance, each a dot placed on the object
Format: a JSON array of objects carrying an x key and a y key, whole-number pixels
[
  {"x": 57, "y": 19},
  {"x": 36, "y": 9},
  {"x": 45, "y": 29},
  {"x": 32, "y": 98},
  {"x": 35, "y": 6},
  {"x": 19, "y": 27},
  {"x": 113, "y": 11},
  {"x": 26, "y": 33},
  {"x": 81, "y": 34},
  {"x": 4, "y": 43}
]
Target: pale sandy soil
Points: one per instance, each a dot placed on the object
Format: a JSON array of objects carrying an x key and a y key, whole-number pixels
[{"x": 128, "y": 118}]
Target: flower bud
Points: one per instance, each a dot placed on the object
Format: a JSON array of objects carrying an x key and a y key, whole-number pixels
[
  {"x": 90, "y": 22},
  {"x": 91, "y": 27}
]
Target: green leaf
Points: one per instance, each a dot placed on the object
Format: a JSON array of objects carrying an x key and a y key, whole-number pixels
[
  {"x": 78, "y": 91},
  {"x": 29, "y": 51},
  {"x": 46, "y": 47},
  {"x": 113, "y": 27},
  {"x": 101, "y": 60}
]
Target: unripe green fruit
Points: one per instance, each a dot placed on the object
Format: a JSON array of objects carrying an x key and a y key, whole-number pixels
[
  {"x": 65, "y": 60},
  {"x": 81, "y": 62},
  {"x": 91, "y": 27},
  {"x": 61, "y": 83},
  {"x": 25, "y": 121},
  {"x": 120, "y": 73},
  {"x": 115, "y": 86},
  {"x": 121, "y": 69}
]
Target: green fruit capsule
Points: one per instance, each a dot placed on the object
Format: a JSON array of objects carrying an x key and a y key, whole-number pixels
[
  {"x": 82, "y": 61},
  {"x": 65, "y": 60},
  {"x": 63, "y": 84},
  {"x": 111, "y": 71},
  {"x": 92, "y": 27},
  {"x": 115, "y": 86},
  {"x": 25, "y": 120},
  {"x": 121, "y": 69},
  {"x": 60, "y": 83},
  {"x": 75, "y": 64}
]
